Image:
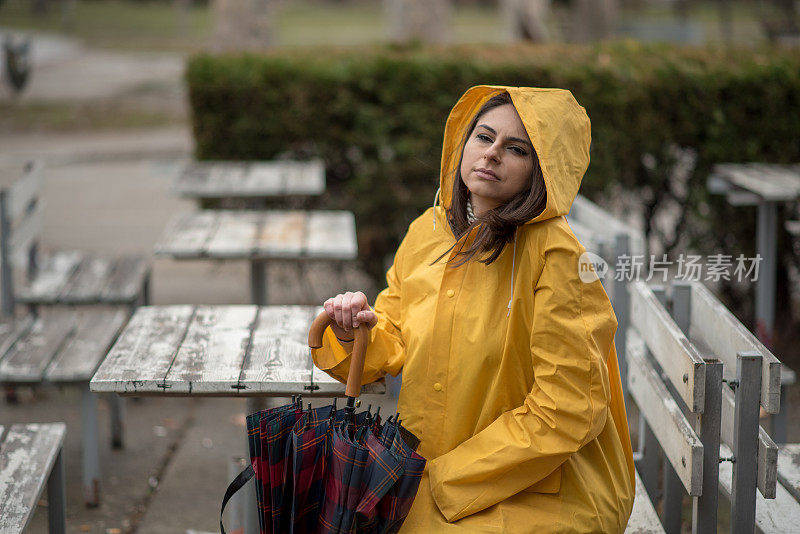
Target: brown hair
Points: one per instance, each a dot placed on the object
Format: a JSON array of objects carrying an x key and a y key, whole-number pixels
[{"x": 500, "y": 223}]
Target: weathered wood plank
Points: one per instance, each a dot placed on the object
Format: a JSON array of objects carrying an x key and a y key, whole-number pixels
[
  {"x": 96, "y": 331},
  {"x": 779, "y": 176},
  {"x": 235, "y": 235},
  {"x": 279, "y": 359},
  {"x": 713, "y": 324},
  {"x": 674, "y": 433},
  {"x": 586, "y": 212},
  {"x": 12, "y": 330},
  {"x": 29, "y": 357},
  {"x": 54, "y": 273},
  {"x": 26, "y": 457},
  {"x": 211, "y": 356},
  {"x": 678, "y": 358},
  {"x": 141, "y": 358},
  {"x": 644, "y": 519},
  {"x": 773, "y": 516},
  {"x": 264, "y": 178},
  {"x": 331, "y": 234},
  {"x": 305, "y": 178},
  {"x": 281, "y": 234},
  {"x": 767, "y": 449},
  {"x": 789, "y": 468},
  {"x": 186, "y": 235},
  {"x": 126, "y": 282},
  {"x": 87, "y": 282}
]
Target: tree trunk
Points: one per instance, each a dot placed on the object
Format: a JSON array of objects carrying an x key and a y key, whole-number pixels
[{"x": 418, "y": 20}]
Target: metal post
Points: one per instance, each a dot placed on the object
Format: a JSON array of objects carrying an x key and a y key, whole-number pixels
[
  {"x": 673, "y": 487},
  {"x": 707, "y": 425},
  {"x": 621, "y": 306},
  {"x": 648, "y": 466},
  {"x": 745, "y": 442},
  {"x": 116, "y": 406},
  {"x": 779, "y": 420},
  {"x": 5, "y": 256},
  {"x": 91, "y": 454},
  {"x": 766, "y": 247},
  {"x": 56, "y": 497},
  {"x": 236, "y": 506},
  {"x": 258, "y": 282}
]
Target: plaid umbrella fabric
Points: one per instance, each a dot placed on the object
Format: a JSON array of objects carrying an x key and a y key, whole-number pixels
[{"x": 330, "y": 471}]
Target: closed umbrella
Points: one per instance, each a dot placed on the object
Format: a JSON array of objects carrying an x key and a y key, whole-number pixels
[{"x": 330, "y": 471}]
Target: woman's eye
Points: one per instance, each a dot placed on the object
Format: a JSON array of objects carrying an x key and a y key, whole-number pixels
[
  {"x": 483, "y": 137},
  {"x": 518, "y": 150}
]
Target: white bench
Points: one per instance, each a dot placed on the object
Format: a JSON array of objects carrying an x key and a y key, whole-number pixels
[
  {"x": 65, "y": 347},
  {"x": 64, "y": 277},
  {"x": 30, "y": 457}
]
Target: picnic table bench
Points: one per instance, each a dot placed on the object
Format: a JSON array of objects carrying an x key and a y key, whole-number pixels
[
  {"x": 260, "y": 236},
  {"x": 30, "y": 457},
  {"x": 63, "y": 277},
  {"x": 64, "y": 348},
  {"x": 250, "y": 179}
]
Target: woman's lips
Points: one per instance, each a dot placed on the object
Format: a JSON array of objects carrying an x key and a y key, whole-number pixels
[{"x": 487, "y": 175}]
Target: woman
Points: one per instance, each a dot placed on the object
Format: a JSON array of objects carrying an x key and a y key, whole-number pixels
[{"x": 510, "y": 374}]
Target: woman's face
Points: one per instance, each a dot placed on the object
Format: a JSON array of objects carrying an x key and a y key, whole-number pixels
[{"x": 497, "y": 162}]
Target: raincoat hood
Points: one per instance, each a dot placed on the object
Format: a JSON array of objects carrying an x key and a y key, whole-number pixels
[{"x": 557, "y": 125}]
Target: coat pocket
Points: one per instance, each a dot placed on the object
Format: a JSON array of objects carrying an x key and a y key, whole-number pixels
[{"x": 549, "y": 484}]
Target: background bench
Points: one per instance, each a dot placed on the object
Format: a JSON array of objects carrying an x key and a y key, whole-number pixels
[
  {"x": 30, "y": 456},
  {"x": 65, "y": 348},
  {"x": 64, "y": 277}
]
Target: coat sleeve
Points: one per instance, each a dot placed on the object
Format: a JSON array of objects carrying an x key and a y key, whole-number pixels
[
  {"x": 571, "y": 336},
  {"x": 385, "y": 352}
]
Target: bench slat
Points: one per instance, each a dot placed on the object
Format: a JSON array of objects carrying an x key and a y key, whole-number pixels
[
  {"x": 263, "y": 179},
  {"x": 85, "y": 285},
  {"x": 279, "y": 358},
  {"x": 29, "y": 357},
  {"x": 331, "y": 234},
  {"x": 11, "y": 330},
  {"x": 305, "y": 178},
  {"x": 145, "y": 350},
  {"x": 644, "y": 519},
  {"x": 678, "y": 358},
  {"x": 789, "y": 468},
  {"x": 674, "y": 433},
  {"x": 236, "y": 232},
  {"x": 211, "y": 356},
  {"x": 54, "y": 273},
  {"x": 186, "y": 235},
  {"x": 767, "y": 449},
  {"x": 281, "y": 234},
  {"x": 773, "y": 516},
  {"x": 96, "y": 331},
  {"x": 713, "y": 324},
  {"x": 26, "y": 457},
  {"x": 125, "y": 284}
]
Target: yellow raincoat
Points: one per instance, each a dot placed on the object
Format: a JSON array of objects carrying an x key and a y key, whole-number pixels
[{"x": 518, "y": 402}]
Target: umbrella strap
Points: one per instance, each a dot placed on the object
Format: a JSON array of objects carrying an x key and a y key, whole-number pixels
[{"x": 237, "y": 484}]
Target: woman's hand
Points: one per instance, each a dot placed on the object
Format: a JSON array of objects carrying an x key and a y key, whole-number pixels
[{"x": 349, "y": 310}]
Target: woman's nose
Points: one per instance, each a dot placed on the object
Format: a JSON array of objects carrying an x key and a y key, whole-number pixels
[{"x": 491, "y": 153}]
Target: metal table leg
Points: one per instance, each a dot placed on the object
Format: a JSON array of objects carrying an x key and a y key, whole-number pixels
[
  {"x": 91, "y": 454},
  {"x": 258, "y": 283},
  {"x": 766, "y": 247}
]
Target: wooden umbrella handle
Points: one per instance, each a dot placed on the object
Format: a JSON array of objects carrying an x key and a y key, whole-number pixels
[{"x": 353, "y": 388}]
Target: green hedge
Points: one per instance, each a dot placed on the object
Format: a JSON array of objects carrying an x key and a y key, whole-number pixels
[{"x": 377, "y": 118}]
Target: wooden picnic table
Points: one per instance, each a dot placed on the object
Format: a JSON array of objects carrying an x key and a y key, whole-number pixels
[
  {"x": 252, "y": 179},
  {"x": 260, "y": 236},
  {"x": 217, "y": 351}
]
